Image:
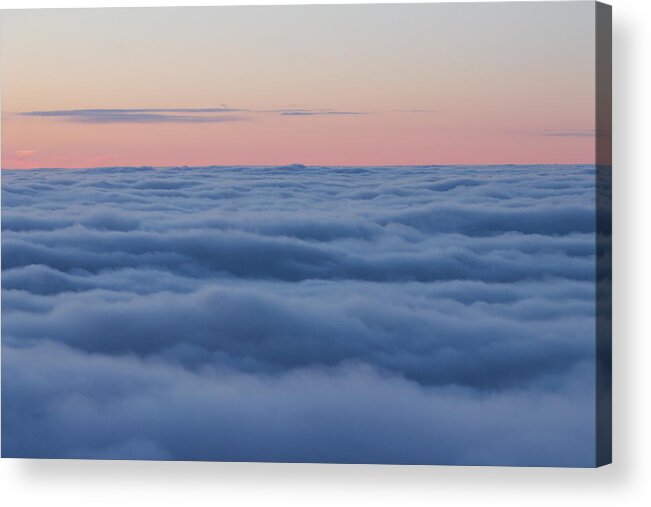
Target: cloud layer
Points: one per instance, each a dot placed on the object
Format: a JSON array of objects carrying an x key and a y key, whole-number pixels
[
  {"x": 401, "y": 315},
  {"x": 176, "y": 115}
]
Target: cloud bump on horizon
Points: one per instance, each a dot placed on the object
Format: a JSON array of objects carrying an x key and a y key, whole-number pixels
[{"x": 439, "y": 315}]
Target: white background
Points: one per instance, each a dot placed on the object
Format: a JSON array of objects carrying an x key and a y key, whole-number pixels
[{"x": 627, "y": 482}]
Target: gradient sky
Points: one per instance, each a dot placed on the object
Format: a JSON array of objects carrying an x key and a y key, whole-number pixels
[{"x": 334, "y": 85}]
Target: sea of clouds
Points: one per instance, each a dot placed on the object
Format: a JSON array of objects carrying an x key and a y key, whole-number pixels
[{"x": 438, "y": 315}]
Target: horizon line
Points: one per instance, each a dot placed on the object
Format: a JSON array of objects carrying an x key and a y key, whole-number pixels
[{"x": 295, "y": 166}]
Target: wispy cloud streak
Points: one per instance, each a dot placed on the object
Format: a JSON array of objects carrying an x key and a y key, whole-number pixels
[
  {"x": 145, "y": 115},
  {"x": 317, "y": 112},
  {"x": 563, "y": 133},
  {"x": 176, "y": 115}
]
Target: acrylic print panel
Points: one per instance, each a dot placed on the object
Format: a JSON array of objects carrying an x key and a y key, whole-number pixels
[{"x": 342, "y": 234}]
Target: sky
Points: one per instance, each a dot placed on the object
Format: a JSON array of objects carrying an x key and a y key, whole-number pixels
[{"x": 320, "y": 85}]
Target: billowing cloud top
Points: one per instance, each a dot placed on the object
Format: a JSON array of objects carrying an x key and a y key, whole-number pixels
[{"x": 389, "y": 314}]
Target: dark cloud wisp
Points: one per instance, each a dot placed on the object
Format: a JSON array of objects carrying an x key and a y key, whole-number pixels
[
  {"x": 176, "y": 115},
  {"x": 172, "y": 115}
]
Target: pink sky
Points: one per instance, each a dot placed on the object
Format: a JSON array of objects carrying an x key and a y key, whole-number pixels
[{"x": 430, "y": 84}]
